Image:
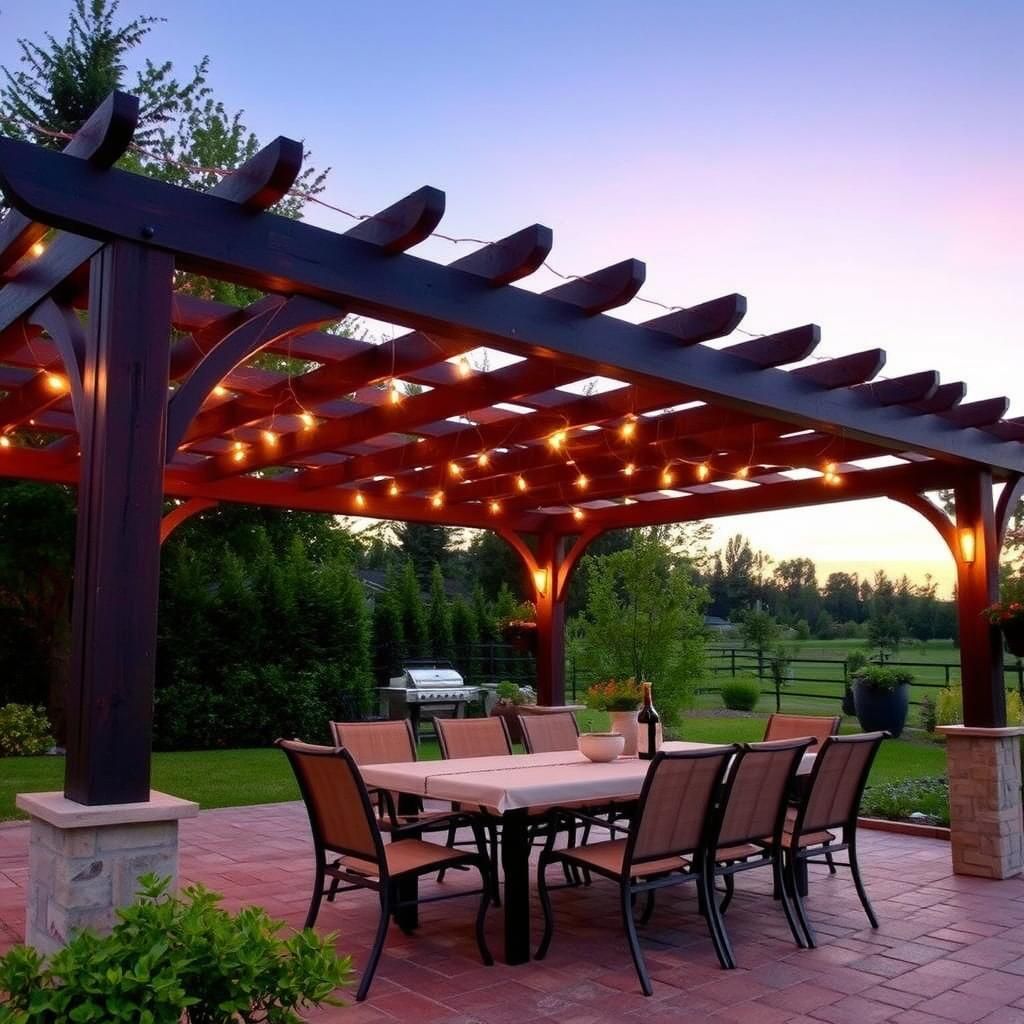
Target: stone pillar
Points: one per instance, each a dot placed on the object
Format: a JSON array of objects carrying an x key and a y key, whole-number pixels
[
  {"x": 85, "y": 861},
  {"x": 985, "y": 800}
]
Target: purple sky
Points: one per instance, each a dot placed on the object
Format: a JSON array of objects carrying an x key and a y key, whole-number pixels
[{"x": 856, "y": 165}]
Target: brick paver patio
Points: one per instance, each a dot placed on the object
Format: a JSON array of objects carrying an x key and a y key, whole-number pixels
[{"x": 950, "y": 948}]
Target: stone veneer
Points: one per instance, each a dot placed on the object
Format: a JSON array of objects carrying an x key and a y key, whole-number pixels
[
  {"x": 985, "y": 800},
  {"x": 85, "y": 861}
]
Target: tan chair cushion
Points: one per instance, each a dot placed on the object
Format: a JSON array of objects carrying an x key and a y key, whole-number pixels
[
  {"x": 404, "y": 856},
  {"x": 607, "y": 857},
  {"x": 808, "y": 838}
]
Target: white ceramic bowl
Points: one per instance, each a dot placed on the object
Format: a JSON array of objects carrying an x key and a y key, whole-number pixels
[{"x": 602, "y": 746}]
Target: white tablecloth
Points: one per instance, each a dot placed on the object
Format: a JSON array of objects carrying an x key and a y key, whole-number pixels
[{"x": 523, "y": 781}]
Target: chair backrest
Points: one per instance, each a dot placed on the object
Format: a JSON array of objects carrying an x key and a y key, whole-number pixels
[
  {"x": 791, "y": 727},
  {"x": 757, "y": 789},
  {"x": 837, "y": 781},
  {"x": 674, "y": 815},
  {"x": 339, "y": 809},
  {"x": 472, "y": 737},
  {"x": 543, "y": 734},
  {"x": 376, "y": 742}
]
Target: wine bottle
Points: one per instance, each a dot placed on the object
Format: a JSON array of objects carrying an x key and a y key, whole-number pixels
[{"x": 649, "y": 727}]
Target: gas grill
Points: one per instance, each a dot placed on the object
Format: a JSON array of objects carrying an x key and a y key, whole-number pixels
[{"x": 426, "y": 686}]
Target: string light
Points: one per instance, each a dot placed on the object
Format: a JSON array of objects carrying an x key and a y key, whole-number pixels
[
  {"x": 394, "y": 392},
  {"x": 239, "y": 455},
  {"x": 630, "y": 469},
  {"x": 5, "y": 441},
  {"x": 743, "y": 472},
  {"x": 55, "y": 382},
  {"x": 270, "y": 438},
  {"x": 463, "y": 367},
  {"x": 483, "y": 460},
  {"x": 628, "y": 430},
  {"x": 831, "y": 475},
  {"x": 308, "y": 420},
  {"x": 557, "y": 439},
  {"x": 455, "y": 469},
  {"x": 393, "y": 489},
  {"x": 360, "y": 500},
  {"x": 494, "y": 507},
  {"x": 220, "y": 391},
  {"x": 521, "y": 483},
  {"x": 667, "y": 477},
  {"x": 37, "y": 250},
  {"x": 437, "y": 500},
  {"x": 582, "y": 481},
  {"x": 577, "y": 514},
  {"x": 703, "y": 471}
]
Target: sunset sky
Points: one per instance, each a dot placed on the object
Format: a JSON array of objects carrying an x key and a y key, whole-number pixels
[{"x": 855, "y": 165}]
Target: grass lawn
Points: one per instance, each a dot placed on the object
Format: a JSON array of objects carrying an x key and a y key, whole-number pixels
[{"x": 231, "y": 778}]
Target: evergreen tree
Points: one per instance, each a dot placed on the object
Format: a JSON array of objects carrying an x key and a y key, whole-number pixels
[
  {"x": 439, "y": 621},
  {"x": 424, "y": 545},
  {"x": 465, "y": 636},
  {"x": 409, "y": 602}
]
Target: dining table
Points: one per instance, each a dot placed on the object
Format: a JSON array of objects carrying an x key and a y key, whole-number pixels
[{"x": 515, "y": 789}]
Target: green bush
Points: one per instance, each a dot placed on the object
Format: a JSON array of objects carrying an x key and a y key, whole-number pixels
[
  {"x": 928, "y": 714},
  {"x": 173, "y": 959},
  {"x": 949, "y": 709},
  {"x": 741, "y": 693},
  {"x": 897, "y": 801},
  {"x": 879, "y": 678},
  {"x": 24, "y": 731}
]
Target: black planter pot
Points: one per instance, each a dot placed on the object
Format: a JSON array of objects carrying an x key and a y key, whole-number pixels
[
  {"x": 1013, "y": 634},
  {"x": 881, "y": 709}
]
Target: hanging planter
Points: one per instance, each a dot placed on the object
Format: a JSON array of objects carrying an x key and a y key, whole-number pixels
[
  {"x": 1009, "y": 617},
  {"x": 521, "y": 635}
]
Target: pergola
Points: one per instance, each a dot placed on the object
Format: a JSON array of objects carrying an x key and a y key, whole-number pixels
[{"x": 147, "y": 393}]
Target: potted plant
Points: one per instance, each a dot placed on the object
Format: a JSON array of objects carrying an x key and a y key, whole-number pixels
[
  {"x": 1009, "y": 617},
  {"x": 520, "y": 634},
  {"x": 621, "y": 699},
  {"x": 881, "y": 697},
  {"x": 510, "y": 699}
]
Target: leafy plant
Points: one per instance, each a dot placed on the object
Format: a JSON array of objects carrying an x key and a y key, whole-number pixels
[
  {"x": 897, "y": 801},
  {"x": 855, "y": 661},
  {"x": 510, "y": 693},
  {"x": 950, "y": 707},
  {"x": 880, "y": 678},
  {"x": 174, "y": 959},
  {"x": 24, "y": 731},
  {"x": 928, "y": 714},
  {"x": 614, "y": 695},
  {"x": 1004, "y": 611},
  {"x": 741, "y": 693}
]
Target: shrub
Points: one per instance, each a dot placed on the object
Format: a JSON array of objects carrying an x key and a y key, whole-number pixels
[
  {"x": 615, "y": 695},
  {"x": 899, "y": 800},
  {"x": 741, "y": 693},
  {"x": 950, "y": 707},
  {"x": 173, "y": 959},
  {"x": 879, "y": 678},
  {"x": 855, "y": 661},
  {"x": 24, "y": 731},
  {"x": 928, "y": 714}
]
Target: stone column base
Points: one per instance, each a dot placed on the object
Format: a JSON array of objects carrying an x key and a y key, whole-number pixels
[
  {"x": 985, "y": 800},
  {"x": 85, "y": 861}
]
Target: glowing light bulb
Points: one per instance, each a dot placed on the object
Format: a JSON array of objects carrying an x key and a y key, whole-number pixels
[
  {"x": 667, "y": 477},
  {"x": 463, "y": 367},
  {"x": 557, "y": 439},
  {"x": 743, "y": 472},
  {"x": 582, "y": 481},
  {"x": 269, "y": 437},
  {"x": 37, "y": 250},
  {"x": 577, "y": 514},
  {"x": 308, "y": 420},
  {"x": 238, "y": 446},
  {"x": 220, "y": 391},
  {"x": 239, "y": 456},
  {"x": 703, "y": 471},
  {"x": 393, "y": 489},
  {"x": 5, "y": 441},
  {"x": 455, "y": 469},
  {"x": 521, "y": 483},
  {"x": 630, "y": 469},
  {"x": 494, "y": 507},
  {"x": 437, "y": 500},
  {"x": 628, "y": 430},
  {"x": 483, "y": 460},
  {"x": 360, "y": 500},
  {"x": 55, "y": 382},
  {"x": 394, "y": 392}
]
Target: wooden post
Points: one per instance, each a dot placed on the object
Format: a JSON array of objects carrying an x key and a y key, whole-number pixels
[
  {"x": 550, "y": 622},
  {"x": 110, "y": 695},
  {"x": 981, "y": 648}
]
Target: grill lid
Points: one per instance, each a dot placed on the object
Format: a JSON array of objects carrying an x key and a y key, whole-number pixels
[{"x": 428, "y": 675}]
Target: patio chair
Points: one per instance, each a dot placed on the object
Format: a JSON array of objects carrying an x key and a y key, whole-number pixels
[
  {"x": 818, "y": 727},
  {"x": 545, "y": 734},
  {"x": 669, "y": 843},
  {"x": 349, "y": 849},
  {"x": 831, "y": 801},
  {"x": 751, "y": 821},
  {"x": 472, "y": 737}
]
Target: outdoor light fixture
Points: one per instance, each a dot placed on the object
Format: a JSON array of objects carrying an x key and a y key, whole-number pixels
[
  {"x": 220, "y": 391},
  {"x": 520, "y": 483},
  {"x": 577, "y": 514},
  {"x": 630, "y": 469},
  {"x": 743, "y": 472},
  {"x": 463, "y": 367},
  {"x": 967, "y": 544},
  {"x": 360, "y": 500},
  {"x": 393, "y": 489},
  {"x": 394, "y": 394},
  {"x": 483, "y": 460},
  {"x": 455, "y": 469},
  {"x": 238, "y": 455},
  {"x": 831, "y": 475},
  {"x": 55, "y": 382},
  {"x": 437, "y": 500},
  {"x": 557, "y": 439},
  {"x": 582, "y": 481},
  {"x": 666, "y": 477},
  {"x": 270, "y": 437},
  {"x": 37, "y": 249},
  {"x": 628, "y": 430},
  {"x": 5, "y": 441},
  {"x": 540, "y": 580},
  {"x": 308, "y": 420},
  {"x": 494, "y": 507},
  {"x": 703, "y": 471}
]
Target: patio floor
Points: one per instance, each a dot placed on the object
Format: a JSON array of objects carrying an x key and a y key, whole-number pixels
[{"x": 949, "y": 948}]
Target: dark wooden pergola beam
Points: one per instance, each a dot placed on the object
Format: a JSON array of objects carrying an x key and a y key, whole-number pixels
[{"x": 211, "y": 236}]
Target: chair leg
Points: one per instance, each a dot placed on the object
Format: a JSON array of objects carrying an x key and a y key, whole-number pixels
[
  {"x": 714, "y": 918},
  {"x": 830, "y": 862},
  {"x": 481, "y": 914},
  {"x": 787, "y": 906},
  {"x": 495, "y": 890},
  {"x": 569, "y": 870},
  {"x": 634, "y": 941},
  {"x": 545, "y": 906},
  {"x": 450, "y": 843},
  {"x": 858, "y": 882},
  {"x": 730, "y": 890},
  {"x": 798, "y": 903},
  {"x": 648, "y": 908},
  {"x": 318, "y": 895},
  {"x": 378, "y": 944},
  {"x": 586, "y": 839}
]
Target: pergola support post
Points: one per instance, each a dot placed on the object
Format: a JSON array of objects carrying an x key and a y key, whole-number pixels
[
  {"x": 90, "y": 845},
  {"x": 983, "y": 755},
  {"x": 550, "y": 620}
]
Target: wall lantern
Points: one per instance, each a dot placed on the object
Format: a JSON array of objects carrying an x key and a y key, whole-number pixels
[
  {"x": 967, "y": 545},
  {"x": 540, "y": 580}
]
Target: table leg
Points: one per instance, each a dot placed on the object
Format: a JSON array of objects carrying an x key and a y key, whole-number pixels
[
  {"x": 515, "y": 860},
  {"x": 408, "y": 918}
]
